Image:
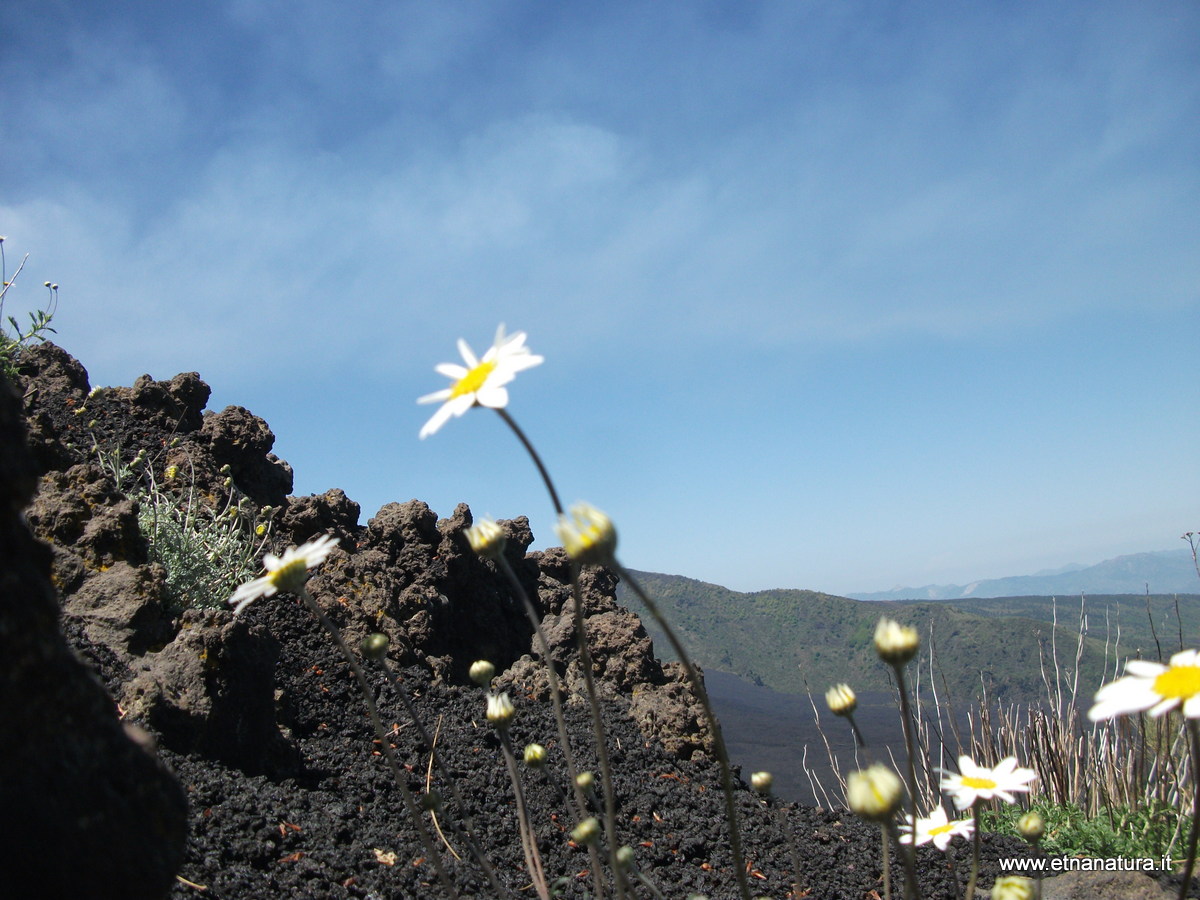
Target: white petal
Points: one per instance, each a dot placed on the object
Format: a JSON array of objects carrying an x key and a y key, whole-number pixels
[
  {"x": 436, "y": 396},
  {"x": 1185, "y": 658},
  {"x": 1191, "y": 707},
  {"x": 454, "y": 407},
  {"x": 1164, "y": 706},
  {"x": 492, "y": 396},
  {"x": 451, "y": 370},
  {"x": 1144, "y": 668},
  {"x": 467, "y": 354}
]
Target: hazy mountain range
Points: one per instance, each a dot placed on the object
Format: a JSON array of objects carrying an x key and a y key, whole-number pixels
[
  {"x": 1164, "y": 572},
  {"x": 792, "y": 640}
]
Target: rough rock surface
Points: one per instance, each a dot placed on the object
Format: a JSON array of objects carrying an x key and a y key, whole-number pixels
[
  {"x": 261, "y": 718},
  {"x": 88, "y": 810}
]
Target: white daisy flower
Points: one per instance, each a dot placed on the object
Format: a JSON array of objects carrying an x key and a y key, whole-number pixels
[
  {"x": 1152, "y": 686},
  {"x": 286, "y": 573},
  {"x": 937, "y": 828},
  {"x": 974, "y": 782},
  {"x": 480, "y": 380}
]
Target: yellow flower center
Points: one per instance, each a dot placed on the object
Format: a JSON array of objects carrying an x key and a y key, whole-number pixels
[
  {"x": 1178, "y": 682},
  {"x": 980, "y": 784},
  {"x": 473, "y": 380},
  {"x": 941, "y": 829},
  {"x": 290, "y": 576}
]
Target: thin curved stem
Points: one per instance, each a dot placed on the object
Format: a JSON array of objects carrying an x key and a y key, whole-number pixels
[
  {"x": 585, "y": 659},
  {"x": 610, "y": 805},
  {"x": 385, "y": 745},
  {"x": 970, "y": 895},
  {"x": 533, "y": 859},
  {"x": 468, "y": 830},
  {"x": 537, "y": 460},
  {"x": 731, "y": 813},
  {"x": 1194, "y": 836},
  {"x": 911, "y": 889},
  {"x": 559, "y": 714}
]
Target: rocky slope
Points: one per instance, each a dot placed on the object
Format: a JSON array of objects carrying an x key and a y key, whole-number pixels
[{"x": 232, "y": 758}]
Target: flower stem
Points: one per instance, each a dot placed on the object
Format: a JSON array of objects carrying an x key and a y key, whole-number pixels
[
  {"x": 384, "y": 744},
  {"x": 610, "y": 805},
  {"x": 731, "y": 813},
  {"x": 970, "y": 895},
  {"x": 468, "y": 832},
  {"x": 560, "y": 718},
  {"x": 911, "y": 888},
  {"x": 533, "y": 859},
  {"x": 537, "y": 460},
  {"x": 908, "y": 860},
  {"x": 585, "y": 660},
  {"x": 1189, "y": 866},
  {"x": 887, "y": 864}
]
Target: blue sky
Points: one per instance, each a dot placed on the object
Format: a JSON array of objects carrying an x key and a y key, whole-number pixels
[{"x": 835, "y": 295}]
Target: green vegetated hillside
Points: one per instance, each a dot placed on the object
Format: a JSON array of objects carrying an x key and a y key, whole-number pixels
[{"x": 781, "y": 638}]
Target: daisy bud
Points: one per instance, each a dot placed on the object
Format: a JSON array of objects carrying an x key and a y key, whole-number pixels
[
  {"x": 487, "y": 539},
  {"x": 587, "y": 535},
  {"x": 374, "y": 646},
  {"x": 1012, "y": 887},
  {"x": 874, "y": 793},
  {"x": 1031, "y": 826},
  {"x": 625, "y": 858},
  {"x": 841, "y": 699},
  {"x": 171, "y": 472},
  {"x": 585, "y": 780},
  {"x": 586, "y": 832},
  {"x": 761, "y": 782},
  {"x": 535, "y": 756},
  {"x": 500, "y": 710},
  {"x": 482, "y": 672},
  {"x": 896, "y": 644}
]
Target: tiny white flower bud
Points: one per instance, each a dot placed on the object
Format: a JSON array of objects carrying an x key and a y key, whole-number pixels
[
  {"x": 587, "y": 535},
  {"x": 896, "y": 644},
  {"x": 482, "y": 672},
  {"x": 841, "y": 699},
  {"x": 500, "y": 710},
  {"x": 874, "y": 793},
  {"x": 761, "y": 782},
  {"x": 586, "y": 832},
  {"x": 487, "y": 539}
]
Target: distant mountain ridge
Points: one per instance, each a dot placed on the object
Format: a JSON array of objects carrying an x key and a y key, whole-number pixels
[
  {"x": 1165, "y": 572},
  {"x": 796, "y": 640}
]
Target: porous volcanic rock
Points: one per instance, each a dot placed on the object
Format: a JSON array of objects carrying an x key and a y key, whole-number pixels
[{"x": 89, "y": 811}]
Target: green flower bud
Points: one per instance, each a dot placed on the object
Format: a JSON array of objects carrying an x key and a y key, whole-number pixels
[
  {"x": 374, "y": 646},
  {"x": 535, "y": 756}
]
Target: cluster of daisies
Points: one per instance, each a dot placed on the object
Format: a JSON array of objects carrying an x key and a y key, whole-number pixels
[{"x": 876, "y": 793}]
